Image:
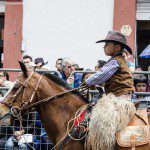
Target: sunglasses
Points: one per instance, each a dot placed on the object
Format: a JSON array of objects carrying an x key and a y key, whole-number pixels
[{"x": 71, "y": 66}]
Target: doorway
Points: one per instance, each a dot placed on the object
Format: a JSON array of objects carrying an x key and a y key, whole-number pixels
[
  {"x": 143, "y": 40},
  {"x": 2, "y": 17}
]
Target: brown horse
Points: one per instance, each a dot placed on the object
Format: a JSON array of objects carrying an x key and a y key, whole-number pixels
[
  {"x": 31, "y": 87},
  {"x": 29, "y": 90}
]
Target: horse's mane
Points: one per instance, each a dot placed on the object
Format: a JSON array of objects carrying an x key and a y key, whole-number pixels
[{"x": 64, "y": 84}]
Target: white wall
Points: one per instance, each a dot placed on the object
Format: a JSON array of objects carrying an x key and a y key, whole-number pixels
[{"x": 66, "y": 28}]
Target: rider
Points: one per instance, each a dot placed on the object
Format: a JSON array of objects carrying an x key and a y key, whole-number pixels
[
  {"x": 115, "y": 73},
  {"x": 114, "y": 110}
]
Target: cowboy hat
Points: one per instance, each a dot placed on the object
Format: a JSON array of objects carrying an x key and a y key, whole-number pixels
[
  {"x": 117, "y": 37},
  {"x": 40, "y": 60}
]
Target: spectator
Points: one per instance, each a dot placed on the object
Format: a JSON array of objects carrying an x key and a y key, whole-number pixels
[
  {"x": 68, "y": 66},
  {"x": 140, "y": 83},
  {"x": 41, "y": 64},
  {"x": 13, "y": 140},
  {"x": 58, "y": 65},
  {"x": 99, "y": 65},
  {"x": 16, "y": 132},
  {"x": 131, "y": 65},
  {"x": 26, "y": 59},
  {"x": 148, "y": 83},
  {"x": 86, "y": 74},
  {"x": 4, "y": 81}
]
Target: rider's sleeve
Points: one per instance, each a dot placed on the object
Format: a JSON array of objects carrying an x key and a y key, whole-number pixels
[{"x": 104, "y": 74}]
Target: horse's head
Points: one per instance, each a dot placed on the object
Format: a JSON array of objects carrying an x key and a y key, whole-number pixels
[{"x": 20, "y": 95}]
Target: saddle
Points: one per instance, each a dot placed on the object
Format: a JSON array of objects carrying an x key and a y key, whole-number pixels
[{"x": 136, "y": 136}]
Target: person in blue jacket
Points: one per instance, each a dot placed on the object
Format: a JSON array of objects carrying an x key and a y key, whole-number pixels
[{"x": 68, "y": 66}]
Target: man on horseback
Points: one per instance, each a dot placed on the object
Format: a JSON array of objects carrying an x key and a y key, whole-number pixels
[{"x": 114, "y": 110}]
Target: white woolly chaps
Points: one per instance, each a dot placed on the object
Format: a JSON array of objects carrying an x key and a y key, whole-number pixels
[{"x": 109, "y": 115}]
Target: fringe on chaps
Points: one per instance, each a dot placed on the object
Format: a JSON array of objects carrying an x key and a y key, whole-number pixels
[{"x": 111, "y": 114}]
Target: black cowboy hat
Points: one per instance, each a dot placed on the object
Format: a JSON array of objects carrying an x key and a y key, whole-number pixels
[
  {"x": 40, "y": 60},
  {"x": 117, "y": 37}
]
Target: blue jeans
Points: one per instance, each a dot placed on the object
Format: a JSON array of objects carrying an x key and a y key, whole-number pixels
[{"x": 10, "y": 144}]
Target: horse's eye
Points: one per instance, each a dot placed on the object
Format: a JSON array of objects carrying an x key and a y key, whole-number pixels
[{"x": 17, "y": 85}]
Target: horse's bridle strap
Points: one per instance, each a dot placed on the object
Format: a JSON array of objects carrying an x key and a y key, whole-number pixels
[
  {"x": 23, "y": 84},
  {"x": 35, "y": 89},
  {"x": 32, "y": 96},
  {"x": 52, "y": 97}
]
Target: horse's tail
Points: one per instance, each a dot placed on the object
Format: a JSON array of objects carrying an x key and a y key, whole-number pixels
[{"x": 111, "y": 114}]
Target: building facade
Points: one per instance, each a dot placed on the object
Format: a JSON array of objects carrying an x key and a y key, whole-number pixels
[{"x": 53, "y": 29}]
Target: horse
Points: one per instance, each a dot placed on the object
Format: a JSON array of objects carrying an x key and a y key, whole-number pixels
[
  {"x": 31, "y": 87},
  {"x": 52, "y": 98}
]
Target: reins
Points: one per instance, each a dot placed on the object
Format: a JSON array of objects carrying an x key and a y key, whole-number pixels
[{"x": 53, "y": 97}]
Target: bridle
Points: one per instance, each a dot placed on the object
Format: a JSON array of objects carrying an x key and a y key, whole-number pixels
[{"x": 15, "y": 111}]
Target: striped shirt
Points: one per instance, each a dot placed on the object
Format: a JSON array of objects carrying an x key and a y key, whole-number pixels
[{"x": 104, "y": 74}]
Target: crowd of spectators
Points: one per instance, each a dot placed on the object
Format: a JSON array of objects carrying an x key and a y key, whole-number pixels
[
  {"x": 65, "y": 68},
  {"x": 34, "y": 134}
]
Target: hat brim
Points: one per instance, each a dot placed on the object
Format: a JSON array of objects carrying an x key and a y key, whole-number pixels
[
  {"x": 123, "y": 44},
  {"x": 45, "y": 63}
]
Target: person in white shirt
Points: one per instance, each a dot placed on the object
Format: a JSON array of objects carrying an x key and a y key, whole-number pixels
[{"x": 4, "y": 80}]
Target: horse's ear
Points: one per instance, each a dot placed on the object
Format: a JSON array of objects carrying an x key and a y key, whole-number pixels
[{"x": 23, "y": 68}]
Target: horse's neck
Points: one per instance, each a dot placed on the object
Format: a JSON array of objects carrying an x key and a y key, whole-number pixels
[{"x": 57, "y": 113}]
